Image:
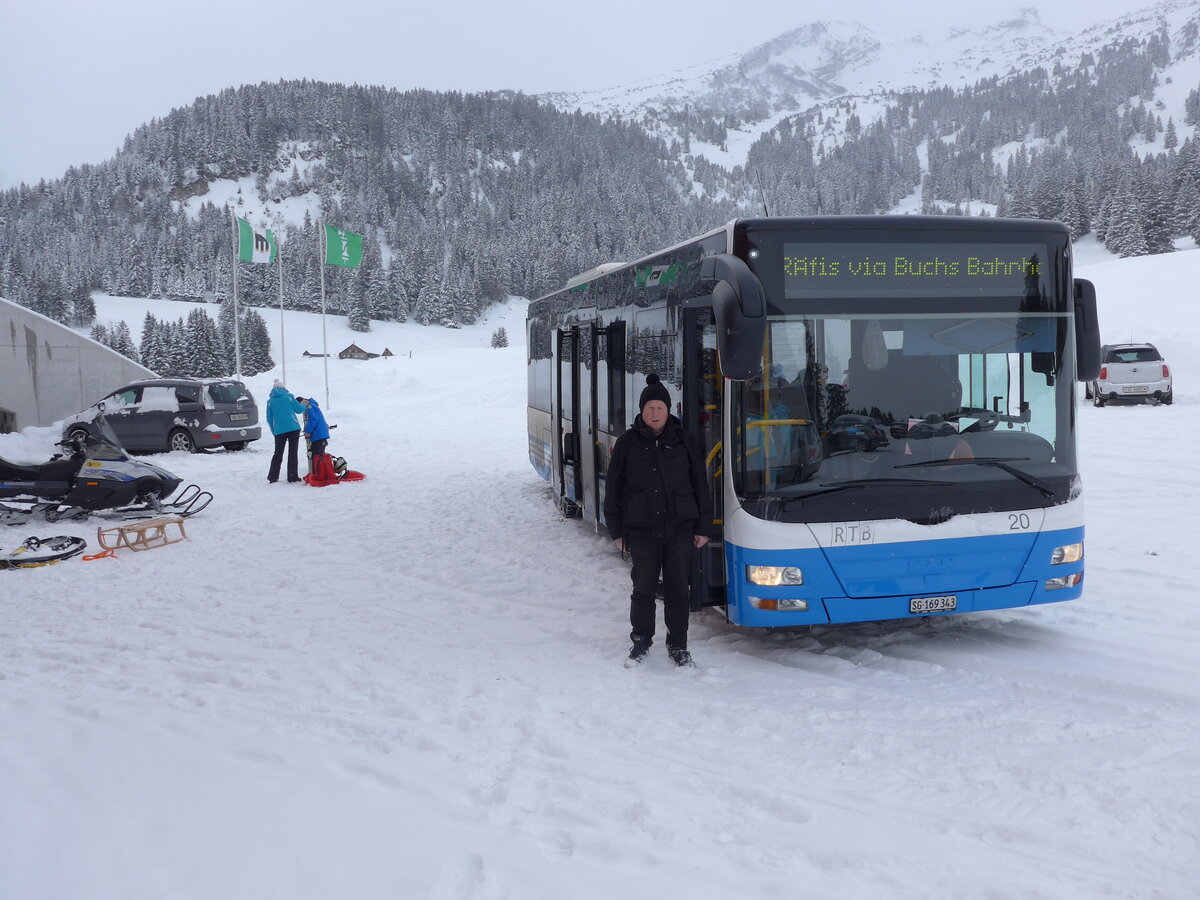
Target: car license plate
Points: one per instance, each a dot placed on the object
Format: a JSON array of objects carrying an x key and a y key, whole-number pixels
[
  {"x": 1140, "y": 389},
  {"x": 239, "y": 417},
  {"x": 933, "y": 604}
]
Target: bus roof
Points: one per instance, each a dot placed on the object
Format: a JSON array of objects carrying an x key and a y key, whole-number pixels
[{"x": 901, "y": 223}]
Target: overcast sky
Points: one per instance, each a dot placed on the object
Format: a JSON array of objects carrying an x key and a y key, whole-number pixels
[{"x": 77, "y": 76}]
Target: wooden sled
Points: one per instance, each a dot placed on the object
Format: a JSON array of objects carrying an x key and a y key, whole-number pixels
[{"x": 144, "y": 535}]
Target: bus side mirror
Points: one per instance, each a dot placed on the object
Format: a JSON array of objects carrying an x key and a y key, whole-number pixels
[
  {"x": 1087, "y": 331},
  {"x": 740, "y": 309}
]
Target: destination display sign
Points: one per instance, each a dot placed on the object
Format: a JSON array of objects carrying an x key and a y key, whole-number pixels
[{"x": 821, "y": 270}]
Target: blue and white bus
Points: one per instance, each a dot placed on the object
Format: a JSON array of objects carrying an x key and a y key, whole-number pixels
[{"x": 886, "y": 405}]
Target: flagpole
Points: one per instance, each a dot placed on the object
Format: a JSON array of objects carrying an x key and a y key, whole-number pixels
[
  {"x": 324, "y": 340},
  {"x": 237, "y": 339},
  {"x": 282, "y": 345}
]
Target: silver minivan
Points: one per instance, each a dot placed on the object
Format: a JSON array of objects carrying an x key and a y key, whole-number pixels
[
  {"x": 1131, "y": 372},
  {"x": 176, "y": 414}
]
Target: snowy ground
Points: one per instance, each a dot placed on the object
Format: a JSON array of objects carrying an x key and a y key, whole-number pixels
[{"x": 412, "y": 687}]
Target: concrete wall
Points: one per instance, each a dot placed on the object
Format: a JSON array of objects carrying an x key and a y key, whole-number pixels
[{"x": 47, "y": 371}]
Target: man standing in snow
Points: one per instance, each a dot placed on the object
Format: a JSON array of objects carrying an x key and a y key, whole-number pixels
[
  {"x": 657, "y": 506},
  {"x": 282, "y": 409}
]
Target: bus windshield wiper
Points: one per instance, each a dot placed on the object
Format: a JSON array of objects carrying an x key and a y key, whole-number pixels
[
  {"x": 996, "y": 462},
  {"x": 833, "y": 487}
]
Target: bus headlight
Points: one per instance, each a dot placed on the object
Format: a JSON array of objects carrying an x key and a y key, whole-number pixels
[
  {"x": 772, "y": 576},
  {"x": 1064, "y": 581},
  {"x": 1067, "y": 554},
  {"x": 779, "y": 604}
]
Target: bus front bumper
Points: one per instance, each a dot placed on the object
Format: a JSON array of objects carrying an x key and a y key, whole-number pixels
[{"x": 968, "y": 582}]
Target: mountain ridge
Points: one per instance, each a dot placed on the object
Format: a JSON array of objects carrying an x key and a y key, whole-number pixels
[{"x": 821, "y": 61}]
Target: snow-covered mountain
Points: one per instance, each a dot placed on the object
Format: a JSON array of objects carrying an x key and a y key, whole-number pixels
[{"x": 822, "y": 61}]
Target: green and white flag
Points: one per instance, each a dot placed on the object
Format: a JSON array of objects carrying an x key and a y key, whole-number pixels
[
  {"x": 658, "y": 275},
  {"x": 255, "y": 246},
  {"x": 342, "y": 248}
]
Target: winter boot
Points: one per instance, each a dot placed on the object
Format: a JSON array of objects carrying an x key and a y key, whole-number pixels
[
  {"x": 680, "y": 656},
  {"x": 637, "y": 653}
]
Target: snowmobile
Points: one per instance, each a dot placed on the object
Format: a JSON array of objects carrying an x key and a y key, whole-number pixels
[{"x": 93, "y": 475}]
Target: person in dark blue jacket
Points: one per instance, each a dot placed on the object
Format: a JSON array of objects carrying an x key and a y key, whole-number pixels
[
  {"x": 658, "y": 507},
  {"x": 282, "y": 409},
  {"x": 315, "y": 429}
]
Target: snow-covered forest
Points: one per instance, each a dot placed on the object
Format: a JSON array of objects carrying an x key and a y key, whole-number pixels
[
  {"x": 465, "y": 199},
  {"x": 468, "y": 197},
  {"x": 197, "y": 346}
]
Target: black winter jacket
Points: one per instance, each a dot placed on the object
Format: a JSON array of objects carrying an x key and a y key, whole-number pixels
[{"x": 657, "y": 485}]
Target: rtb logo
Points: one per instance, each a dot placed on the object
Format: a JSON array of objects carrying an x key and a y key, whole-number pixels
[{"x": 848, "y": 534}]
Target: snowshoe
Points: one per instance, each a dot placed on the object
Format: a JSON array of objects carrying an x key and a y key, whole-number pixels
[{"x": 36, "y": 551}]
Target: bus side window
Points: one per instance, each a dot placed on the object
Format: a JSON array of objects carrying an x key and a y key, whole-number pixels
[
  {"x": 539, "y": 365},
  {"x": 612, "y": 392}
]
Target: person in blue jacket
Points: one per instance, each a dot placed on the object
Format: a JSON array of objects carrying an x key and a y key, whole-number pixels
[
  {"x": 282, "y": 409},
  {"x": 315, "y": 429}
]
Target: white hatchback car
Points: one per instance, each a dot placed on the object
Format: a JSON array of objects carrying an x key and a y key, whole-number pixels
[{"x": 1131, "y": 372}]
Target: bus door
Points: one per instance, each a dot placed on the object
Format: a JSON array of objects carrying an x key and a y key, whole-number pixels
[
  {"x": 608, "y": 413},
  {"x": 592, "y": 445},
  {"x": 702, "y": 416},
  {"x": 569, "y": 441}
]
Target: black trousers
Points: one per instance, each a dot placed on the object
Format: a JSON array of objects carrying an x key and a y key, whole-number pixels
[
  {"x": 292, "y": 440},
  {"x": 672, "y": 558}
]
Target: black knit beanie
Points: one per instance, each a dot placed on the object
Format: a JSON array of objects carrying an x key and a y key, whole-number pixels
[{"x": 654, "y": 390}]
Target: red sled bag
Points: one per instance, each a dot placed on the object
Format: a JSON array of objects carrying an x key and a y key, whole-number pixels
[
  {"x": 328, "y": 470},
  {"x": 322, "y": 471}
]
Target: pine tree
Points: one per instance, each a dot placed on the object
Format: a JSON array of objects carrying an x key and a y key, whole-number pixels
[
  {"x": 256, "y": 353},
  {"x": 1072, "y": 213},
  {"x": 400, "y": 287},
  {"x": 136, "y": 280},
  {"x": 151, "y": 347},
  {"x": 83, "y": 307},
  {"x": 359, "y": 317},
  {"x": 1187, "y": 207},
  {"x": 428, "y": 305},
  {"x": 1124, "y": 235},
  {"x": 378, "y": 300},
  {"x": 202, "y": 336},
  {"x": 123, "y": 341},
  {"x": 500, "y": 337},
  {"x": 225, "y": 329},
  {"x": 51, "y": 299},
  {"x": 1157, "y": 215},
  {"x": 177, "y": 351}
]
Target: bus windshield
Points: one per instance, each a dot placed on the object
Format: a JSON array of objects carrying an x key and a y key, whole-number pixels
[{"x": 909, "y": 416}]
